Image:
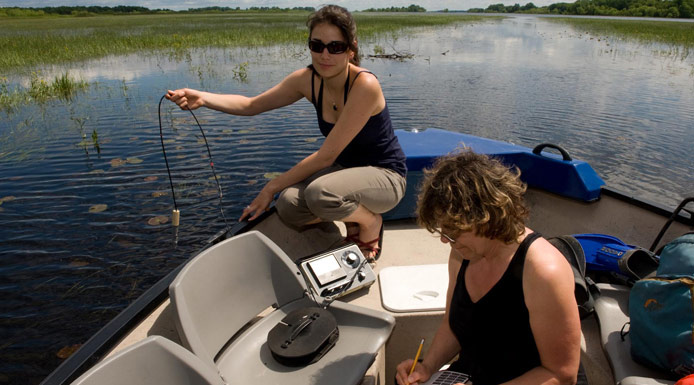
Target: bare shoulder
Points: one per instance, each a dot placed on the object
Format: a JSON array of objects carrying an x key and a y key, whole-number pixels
[
  {"x": 545, "y": 263},
  {"x": 300, "y": 75},
  {"x": 366, "y": 79},
  {"x": 300, "y": 80}
]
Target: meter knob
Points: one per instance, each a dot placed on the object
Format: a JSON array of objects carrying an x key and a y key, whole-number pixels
[{"x": 351, "y": 258}]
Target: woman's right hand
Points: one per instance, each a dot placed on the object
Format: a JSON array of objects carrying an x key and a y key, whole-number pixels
[
  {"x": 421, "y": 373},
  {"x": 186, "y": 98}
]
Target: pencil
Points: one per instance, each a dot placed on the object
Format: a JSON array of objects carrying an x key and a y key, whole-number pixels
[{"x": 416, "y": 357}]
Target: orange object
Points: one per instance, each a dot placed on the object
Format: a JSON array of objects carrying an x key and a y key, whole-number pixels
[{"x": 687, "y": 380}]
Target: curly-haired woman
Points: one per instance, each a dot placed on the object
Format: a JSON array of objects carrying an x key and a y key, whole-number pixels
[{"x": 511, "y": 315}]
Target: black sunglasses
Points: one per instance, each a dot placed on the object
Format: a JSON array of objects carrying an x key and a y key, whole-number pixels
[{"x": 334, "y": 47}]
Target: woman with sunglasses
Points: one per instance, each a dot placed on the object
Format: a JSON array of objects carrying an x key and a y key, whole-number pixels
[
  {"x": 359, "y": 171},
  {"x": 511, "y": 315}
]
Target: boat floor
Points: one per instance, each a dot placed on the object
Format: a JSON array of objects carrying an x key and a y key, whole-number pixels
[{"x": 404, "y": 244}]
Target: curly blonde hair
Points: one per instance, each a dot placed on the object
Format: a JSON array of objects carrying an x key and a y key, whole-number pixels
[{"x": 466, "y": 191}]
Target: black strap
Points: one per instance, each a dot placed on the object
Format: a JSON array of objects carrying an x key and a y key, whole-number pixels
[
  {"x": 313, "y": 93},
  {"x": 320, "y": 89},
  {"x": 523, "y": 248}
]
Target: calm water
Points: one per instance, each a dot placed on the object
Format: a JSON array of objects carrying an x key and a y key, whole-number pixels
[{"x": 69, "y": 263}]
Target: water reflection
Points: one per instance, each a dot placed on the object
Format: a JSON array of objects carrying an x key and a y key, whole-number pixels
[{"x": 66, "y": 268}]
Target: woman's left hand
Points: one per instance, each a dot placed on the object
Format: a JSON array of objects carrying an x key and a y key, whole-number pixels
[{"x": 260, "y": 204}]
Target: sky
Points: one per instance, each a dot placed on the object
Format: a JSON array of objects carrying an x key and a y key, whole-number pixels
[{"x": 352, "y": 5}]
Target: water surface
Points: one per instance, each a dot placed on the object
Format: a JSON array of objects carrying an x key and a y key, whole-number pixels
[{"x": 67, "y": 267}]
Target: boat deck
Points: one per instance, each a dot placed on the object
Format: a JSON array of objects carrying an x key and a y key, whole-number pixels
[{"x": 406, "y": 244}]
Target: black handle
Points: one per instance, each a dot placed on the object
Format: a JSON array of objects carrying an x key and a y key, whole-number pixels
[{"x": 538, "y": 149}]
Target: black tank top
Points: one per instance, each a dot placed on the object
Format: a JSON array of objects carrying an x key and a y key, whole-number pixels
[
  {"x": 376, "y": 143},
  {"x": 494, "y": 333}
]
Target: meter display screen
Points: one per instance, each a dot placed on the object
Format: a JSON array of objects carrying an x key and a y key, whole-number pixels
[{"x": 327, "y": 269}]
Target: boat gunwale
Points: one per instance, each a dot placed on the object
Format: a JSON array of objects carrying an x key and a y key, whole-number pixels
[
  {"x": 108, "y": 336},
  {"x": 99, "y": 344}
]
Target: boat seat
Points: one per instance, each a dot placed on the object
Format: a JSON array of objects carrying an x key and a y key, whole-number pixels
[
  {"x": 612, "y": 312},
  {"x": 228, "y": 297},
  {"x": 154, "y": 360}
]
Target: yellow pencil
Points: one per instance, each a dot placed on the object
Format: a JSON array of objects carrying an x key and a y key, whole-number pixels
[{"x": 416, "y": 357}]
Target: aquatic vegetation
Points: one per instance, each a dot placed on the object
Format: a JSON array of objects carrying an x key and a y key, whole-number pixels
[
  {"x": 271, "y": 175},
  {"x": 158, "y": 220},
  {"x": 241, "y": 72},
  {"x": 117, "y": 162},
  {"x": 678, "y": 33},
  {"x": 67, "y": 351},
  {"x": 8, "y": 198},
  {"x": 62, "y": 86},
  {"x": 32, "y": 42},
  {"x": 98, "y": 208},
  {"x": 40, "y": 90}
]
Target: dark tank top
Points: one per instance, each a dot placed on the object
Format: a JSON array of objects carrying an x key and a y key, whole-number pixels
[
  {"x": 376, "y": 143},
  {"x": 494, "y": 333}
]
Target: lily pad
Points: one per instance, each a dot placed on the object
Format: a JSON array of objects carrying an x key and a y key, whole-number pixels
[
  {"x": 201, "y": 141},
  {"x": 98, "y": 208},
  {"x": 209, "y": 192},
  {"x": 311, "y": 140},
  {"x": 244, "y": 131},
  {"x": 158, "y": 194},
  {"x": 244, "y": 141},
  {"x": 7, "y": 199},
  {"x": 151, "y": 178},
  {"x": 252, "y": 182},
  {"x": 158, "y": 220},
  {"x": 97, "y": 171},
  {"x": 66, "y": 351},
  {"x": 134, "y": 138},
  {"x": 117, "y": 162},
  {"x": 134, "y": 160},
  {"x": 180, "y": 156},
  {"x": 272, "y": 175},
  {"x": 126, "y": 244},
  {"x": 227, "y": 131}
]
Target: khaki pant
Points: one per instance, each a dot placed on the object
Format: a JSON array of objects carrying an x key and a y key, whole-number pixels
[{"x": 335, "y": 192}]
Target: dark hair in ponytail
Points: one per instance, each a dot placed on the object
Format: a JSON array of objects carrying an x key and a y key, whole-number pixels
[{"x": 342, "y": 19}]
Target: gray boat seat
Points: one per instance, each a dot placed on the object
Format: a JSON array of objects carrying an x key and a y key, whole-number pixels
[
  {"x": 154, "y": 360},
  {"x": 612, "y": 312},
  {"x": 228, "y": 297}
]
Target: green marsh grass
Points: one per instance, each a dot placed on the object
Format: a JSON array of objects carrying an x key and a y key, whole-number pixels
[
  {"x": 36, "y": 42},
  {"x": 647, "y": 31},
  {"x": 40, "y": 90}
]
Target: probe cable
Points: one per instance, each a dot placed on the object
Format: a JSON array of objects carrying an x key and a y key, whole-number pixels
[{"x": 176, "y": 213}]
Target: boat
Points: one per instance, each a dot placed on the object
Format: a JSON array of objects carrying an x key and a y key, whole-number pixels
[{"x": 565, "y": 196}]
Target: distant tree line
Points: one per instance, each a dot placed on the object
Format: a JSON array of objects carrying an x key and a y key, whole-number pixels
[
  {"x": 646, "y": 8},
  {"x": 77, "y": 10},
  {"x": 129, "y": 10},
  {"x": 410, "y": 8}
]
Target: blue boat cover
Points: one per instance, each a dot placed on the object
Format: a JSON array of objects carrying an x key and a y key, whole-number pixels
[{"x": 547, "y": 171}]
